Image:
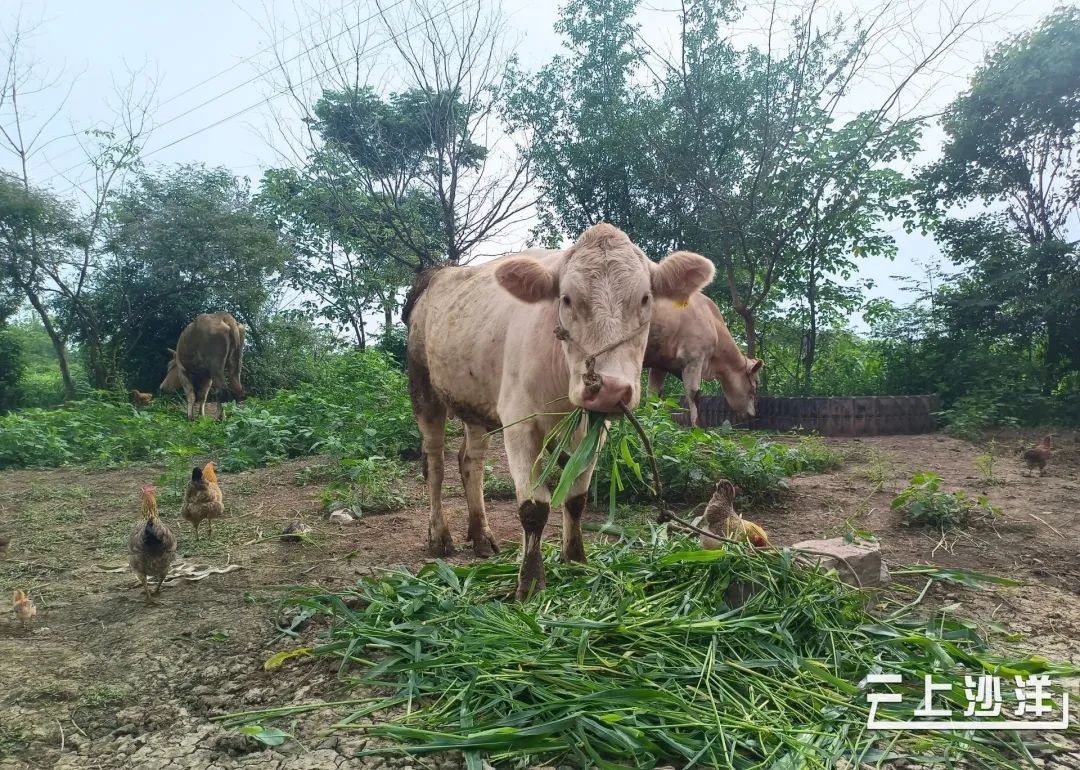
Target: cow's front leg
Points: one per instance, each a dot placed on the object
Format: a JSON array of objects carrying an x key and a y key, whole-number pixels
[
  {"x": 189, "y": 394},
  {"x": 523, "y": 443},
  {"x": 471, "y": 464},
  {"x": 691, "y": 378},
  {"x": 656, "y": 380},
  {"x": 573, "y": 547},
  {"x": 432, "y": 431}
]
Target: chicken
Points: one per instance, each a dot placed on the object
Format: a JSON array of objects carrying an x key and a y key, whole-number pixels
[
  {"x": 24, "y": 607},
  {"x": 152, "y": 547},
  {"x": 5, "y": 543},
  {"x": 140, "y": 398},
  {"x": 1038, "y": 455},
  {"x": 295, "y": 531},
  {"x": 720, "y": 517},
  {"x": 202, "y": 501}
]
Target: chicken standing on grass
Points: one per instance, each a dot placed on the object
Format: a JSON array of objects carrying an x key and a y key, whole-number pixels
[
  {"x": 152, "y": 546},
  {"x": 5, "y": 543},
  {"x": 202, "y": 501},
  {"x": 1038, "y": 455},
  {"x": 721, "y": 518},
  {"x": 24, "y": 607}
]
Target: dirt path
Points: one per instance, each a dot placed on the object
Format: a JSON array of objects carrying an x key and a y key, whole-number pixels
[{"x": 103, "y": 680}]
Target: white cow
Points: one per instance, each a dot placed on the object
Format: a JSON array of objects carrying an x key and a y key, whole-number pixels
[{"x": 525, "y": 334}]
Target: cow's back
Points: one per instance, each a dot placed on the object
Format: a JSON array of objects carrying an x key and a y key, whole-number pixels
[
  {"x": 471, "y": 342},
  {"x": 205, "y": 343}
]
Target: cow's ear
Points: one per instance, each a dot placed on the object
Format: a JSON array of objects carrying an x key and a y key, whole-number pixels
[
  {"x": 527, "y": 279},
  {"x": 171, "y": 351},
  {"x": 753, "y": 365},
  {"x": 680, "y": 274}
]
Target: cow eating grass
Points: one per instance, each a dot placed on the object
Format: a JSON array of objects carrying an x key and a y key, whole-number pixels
[
  {"x": 209, "y": 346},
  {"x": 482, "y": 348}
]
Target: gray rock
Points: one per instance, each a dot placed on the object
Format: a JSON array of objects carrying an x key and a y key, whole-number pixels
[{"x": 857, "y": 563}]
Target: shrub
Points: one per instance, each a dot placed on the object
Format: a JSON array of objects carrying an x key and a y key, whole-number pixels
[
  {"x": 364, "y": 485},
  {"x": 690, "y": 461},
  {"x": 357, "y": 407},
  {"x": 925, "y": 504}
]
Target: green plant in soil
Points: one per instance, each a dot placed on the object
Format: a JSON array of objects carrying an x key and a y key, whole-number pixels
[
  {"x": 637, "y": 659},
  {"x": 924, "y": 503}
]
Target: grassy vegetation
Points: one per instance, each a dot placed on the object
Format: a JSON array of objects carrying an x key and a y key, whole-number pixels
[
  {"x": 690, "y": 461},
  {"x": 361, "y": 484},
  {"x": 924, "y": 503},
  {"x": 358, "y": 407},
  {"x": 638, "y": 659}
]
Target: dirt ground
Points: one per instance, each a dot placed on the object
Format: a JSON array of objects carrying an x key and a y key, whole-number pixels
[{"x": 103, "y": 680}]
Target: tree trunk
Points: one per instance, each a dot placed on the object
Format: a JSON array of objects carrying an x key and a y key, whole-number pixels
[
  {"x": 750, "y": 325},
  {"x": 57, "y": 343},
  {"x": 388, "y": 318},
  {"x": 811, "y": 332}
]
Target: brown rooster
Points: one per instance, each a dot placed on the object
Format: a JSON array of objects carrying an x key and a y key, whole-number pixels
[
  {"x": 202, "y": 501},
  {"x": 1038, "y": 455},
  {"x": 5, "y": 543},
  {"x": 24, "y": 607},
  {"x": 152, "y": 546},
  {"x": 720, "y": 517},
  {"x": 140, "y": 398}
]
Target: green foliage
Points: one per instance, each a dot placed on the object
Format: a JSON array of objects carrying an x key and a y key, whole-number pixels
[
  {"x": 639, "y": 659},
  {"x": 925, "y": 504},
  {"x": 288, "y": 350},
  {"x": 180, "y": 242},
  {"x": 362, "y": 485},
  {"x": 970, "y": 416},
  {"x": 357, "y": 406},
  {"x": 691, "y": 461},
  {"x": 12, "y": 369},
  {"x": 498, "y": 486}
]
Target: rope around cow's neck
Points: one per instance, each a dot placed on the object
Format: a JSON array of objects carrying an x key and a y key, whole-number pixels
[{"x": 664, "y": 514}]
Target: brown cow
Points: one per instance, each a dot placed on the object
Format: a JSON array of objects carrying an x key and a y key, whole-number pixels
[
  {"x": 694, "y": 343},
  {"x": 488, "y": 355},
  {"x": 209, "y": 345}
]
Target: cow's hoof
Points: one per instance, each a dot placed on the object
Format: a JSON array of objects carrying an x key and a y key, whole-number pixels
[
  {"x": 531, "y": 579},
  {"x": 485, "y": 545},
  {"x": 441, "y": 545},
  {"x": 573, "y": 552}
]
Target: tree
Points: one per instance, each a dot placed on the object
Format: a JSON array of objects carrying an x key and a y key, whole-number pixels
[
  {"x": 36, "y": 233},
  {"x": 64, "y": 273},
  {"x": 348, "y": 270},
  {"x": 432, "y": 142},
  {"x": 739, "y": 153},
  {"x": 180, "y": 242},
  {"x": 1012, "y": 146}
]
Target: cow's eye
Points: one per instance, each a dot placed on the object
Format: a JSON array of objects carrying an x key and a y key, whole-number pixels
[
  {"x": 566, "y": 300},
  {"x": 645, "y": 300}
]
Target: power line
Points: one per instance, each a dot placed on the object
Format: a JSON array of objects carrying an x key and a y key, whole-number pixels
[
  {"x": 247, "y": 82},
  {"x": 286, "y": 90}
]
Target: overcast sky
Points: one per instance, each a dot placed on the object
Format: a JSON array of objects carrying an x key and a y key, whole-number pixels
[{"x": 206, "y": 57}]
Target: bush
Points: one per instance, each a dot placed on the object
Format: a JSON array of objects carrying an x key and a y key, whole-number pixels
[
  {"x": 925, "y": 504},
  {"x": 357, "y": 407},
  {"x": 362, "y": 485},
  {"x": 12, "y": 367},
  {"x": 690, "y": 461}
]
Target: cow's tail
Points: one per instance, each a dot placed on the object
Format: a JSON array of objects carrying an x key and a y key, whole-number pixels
[
  {"x": 236, "y": 357},
  {"x": 423, "y": 280}
]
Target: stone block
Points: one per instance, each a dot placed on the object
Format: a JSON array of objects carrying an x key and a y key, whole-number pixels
[{"x": 863, "y": 559}]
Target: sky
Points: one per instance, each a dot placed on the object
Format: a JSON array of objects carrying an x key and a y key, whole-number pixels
[{"x": 218, "y": 101}]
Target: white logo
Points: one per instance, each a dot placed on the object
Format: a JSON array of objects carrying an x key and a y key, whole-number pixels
[{"x": 983, "y": 694}]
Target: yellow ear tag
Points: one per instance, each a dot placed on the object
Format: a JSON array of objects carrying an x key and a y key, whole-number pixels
[{"x": 681, "y": 305}]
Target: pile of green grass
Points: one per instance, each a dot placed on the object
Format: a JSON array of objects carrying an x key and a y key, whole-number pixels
[{"x": 637, "y": 659}]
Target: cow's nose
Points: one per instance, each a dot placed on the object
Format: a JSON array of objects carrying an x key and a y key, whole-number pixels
[{"x": 613, "y": 391}]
